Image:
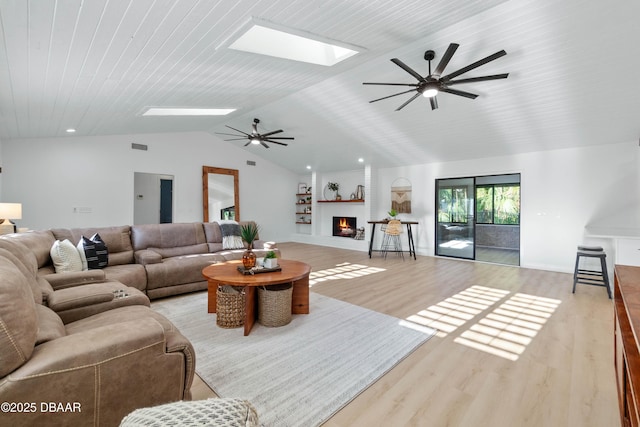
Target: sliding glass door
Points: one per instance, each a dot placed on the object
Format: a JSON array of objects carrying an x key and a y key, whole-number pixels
[
  {"x": 479, "y": 218},
  {"x": 455, "y": 222}
]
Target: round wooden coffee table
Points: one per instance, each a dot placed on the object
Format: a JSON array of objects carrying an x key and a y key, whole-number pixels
[{"x": 227, "y": 273}]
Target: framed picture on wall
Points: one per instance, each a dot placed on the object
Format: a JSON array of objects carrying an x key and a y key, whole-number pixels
[{"x": 302, "y": 188}]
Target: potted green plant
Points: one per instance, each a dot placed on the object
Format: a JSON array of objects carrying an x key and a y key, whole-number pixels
[
  {"x": 334, "y": 186},
  {"x": 270, "y": 260},
  {"x": 249, "y": 233},
  {"x": 392, "y": 213}
]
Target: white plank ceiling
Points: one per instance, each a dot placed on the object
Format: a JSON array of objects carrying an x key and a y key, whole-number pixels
[{"x": 95, "y": 65}]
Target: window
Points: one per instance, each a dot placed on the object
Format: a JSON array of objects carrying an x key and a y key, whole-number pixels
[
  {"x": 453, "y": 205},
  {"x": 498, "y": 204}
]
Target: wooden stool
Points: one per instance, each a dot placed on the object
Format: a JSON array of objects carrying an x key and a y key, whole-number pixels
[
  {"x": 591, "y": 277},
  {"x": 391, "y": 238}
]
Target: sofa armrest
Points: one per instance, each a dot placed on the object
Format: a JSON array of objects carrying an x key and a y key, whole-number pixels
[
  {"x": 105, "y": 372},
  {"x": 75, "y": 278},
  {"x": 80, "y": 296},
  {"x": 147, "y": 256},
  {"x": 92, "y": 347}
]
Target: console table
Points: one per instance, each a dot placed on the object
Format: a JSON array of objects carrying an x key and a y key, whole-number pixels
[
  {"x": 626, "y": 344},
  {"x": 412, "y": 248}
]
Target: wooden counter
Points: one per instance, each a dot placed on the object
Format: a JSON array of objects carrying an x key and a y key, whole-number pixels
[{"x": 627, "y": 342}]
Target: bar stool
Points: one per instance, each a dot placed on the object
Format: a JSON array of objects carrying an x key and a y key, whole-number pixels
[
  {"x": 391, "y": 238},
  {"x": 591, "y": 277}
]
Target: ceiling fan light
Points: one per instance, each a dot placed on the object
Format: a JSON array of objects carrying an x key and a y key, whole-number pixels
[
  {"x": 255, "y": 141},
  {"x": 430, "y": 93}
]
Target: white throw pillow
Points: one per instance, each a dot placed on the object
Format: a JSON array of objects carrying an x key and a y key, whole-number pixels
[
  {"x": 65, "y": 256},
  {"x": 83, "y": 256}
]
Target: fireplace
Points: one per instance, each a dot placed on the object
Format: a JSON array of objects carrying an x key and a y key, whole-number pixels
[{"x": 344, "y": 226}]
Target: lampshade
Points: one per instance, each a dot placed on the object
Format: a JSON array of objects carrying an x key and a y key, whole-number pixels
[{"x": 10, "y": 210}]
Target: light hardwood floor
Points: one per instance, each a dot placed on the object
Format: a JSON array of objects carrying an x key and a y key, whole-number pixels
[{"x": 515, "y": 347}]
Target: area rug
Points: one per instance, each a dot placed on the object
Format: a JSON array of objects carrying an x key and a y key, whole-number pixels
[{"x": 302, "y": 373}]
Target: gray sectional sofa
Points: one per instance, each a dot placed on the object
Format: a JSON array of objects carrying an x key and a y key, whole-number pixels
[{"x": 89, "y": 339}]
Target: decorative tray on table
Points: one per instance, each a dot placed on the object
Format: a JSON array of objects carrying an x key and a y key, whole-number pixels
[{"x": 257, "y": 270}]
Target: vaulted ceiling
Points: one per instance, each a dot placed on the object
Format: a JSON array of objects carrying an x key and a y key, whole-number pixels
[{"x": 95, "y": 65}]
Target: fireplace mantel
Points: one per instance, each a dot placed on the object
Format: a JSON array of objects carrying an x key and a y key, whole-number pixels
[{"x": 342, "y": 201}]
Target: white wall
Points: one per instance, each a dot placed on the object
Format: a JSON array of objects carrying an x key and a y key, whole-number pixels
[
  {"x": 52, "y": 176},
  {"x": 562, "y": 192}
]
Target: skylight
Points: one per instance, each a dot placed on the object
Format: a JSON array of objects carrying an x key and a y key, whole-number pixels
[
  {"x": 281, "y": 44},
  {"x": 156, "y": 111}
]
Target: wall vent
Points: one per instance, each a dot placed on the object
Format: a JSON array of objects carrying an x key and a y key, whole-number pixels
[
  {"x": 251, "y": 163},
  {"x": 138, "y": 146}
]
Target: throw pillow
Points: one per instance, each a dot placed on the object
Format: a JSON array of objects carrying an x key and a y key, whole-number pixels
[
  {"x": 231, "y": 235},
  {"x": 96, "y": 252},
  {"x": 65, "y": 257},
  {"x": 83, "y": 256}
]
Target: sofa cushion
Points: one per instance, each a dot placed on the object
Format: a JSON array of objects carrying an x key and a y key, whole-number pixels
[
  {"x": 18, "y": 323},
  {"x": 39, "y": 243},
  {"x": 181, "y": 250},
  {"x": 166, "y": 235},
  {"x": 50, "y": 326},
  {"x": 65, "y": 256},
  {"x": 179, "y": 270},
  {"x": 29, "y": 273},
  {"x": 212, "y": 232},
  {"x": 117, "y": 239}
]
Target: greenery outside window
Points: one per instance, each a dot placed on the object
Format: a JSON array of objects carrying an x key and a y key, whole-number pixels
[
  {"x": 498, "y": 204},
  {"x": 453, "y": 205}
]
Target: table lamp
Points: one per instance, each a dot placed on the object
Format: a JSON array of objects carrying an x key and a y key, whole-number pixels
[{"x": 9, "y": 211}]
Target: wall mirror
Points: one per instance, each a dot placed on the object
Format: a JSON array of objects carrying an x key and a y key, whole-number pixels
[{"x": 220, "y": 194}]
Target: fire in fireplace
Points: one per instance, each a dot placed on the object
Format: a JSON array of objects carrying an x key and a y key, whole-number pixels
[{"x": 344, "y": 226}]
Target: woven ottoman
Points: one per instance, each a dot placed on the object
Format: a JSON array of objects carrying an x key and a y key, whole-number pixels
[{"x": 211, "y": 412}]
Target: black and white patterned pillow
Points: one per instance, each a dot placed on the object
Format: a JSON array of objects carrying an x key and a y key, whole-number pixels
[{"x": 96, "y": 252}]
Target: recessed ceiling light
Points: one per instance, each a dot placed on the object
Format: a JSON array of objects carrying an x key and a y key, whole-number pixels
[
  {"x": 285, "y": 44},
  {"x": 308, "y": 166},
  {"x": 157, "y": 111},
  {"x": 70, "y": 130},
  {"x": 361, "y": 160}
]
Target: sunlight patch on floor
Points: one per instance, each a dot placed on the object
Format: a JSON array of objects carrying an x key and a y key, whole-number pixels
[
  {"x": 510, "y": 328},
  {"x": 453, "y": 312},
  {"x": 344, "y": 270}
]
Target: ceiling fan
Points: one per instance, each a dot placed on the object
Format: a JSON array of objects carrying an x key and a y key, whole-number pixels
[
  {"x": 257, "y": 138},
  {"x": 430, "y": 85}
]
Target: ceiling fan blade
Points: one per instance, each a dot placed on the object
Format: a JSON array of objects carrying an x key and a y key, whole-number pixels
[
  {"x": 263, "y": 144},
  {"x": 247, "y": 143},
  {"x": 459, "y": 93},
  {"x": 446, "y": 58},
  {"x": 230, "y": 134},
  {"x": 273, "y": 132},
  {"x": 237, "y": 130},
  {"x": 395, "y": 94},
  {"x": 477, "y": 79},
  {"x": 393, "y": 84},
  {"x": 410, "y": 99},
  {"x": 279, "y": 137},
  {"x": 434, "y": 102},
  {"x": 407, "y": 69},
  {"x": 474, "y": 65},
  {"x": 236, "y": 139},
  {"x": 276, "y": 142}
]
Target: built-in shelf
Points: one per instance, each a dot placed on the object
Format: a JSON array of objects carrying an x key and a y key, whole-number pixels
[{"x": 342, "y": 201}]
